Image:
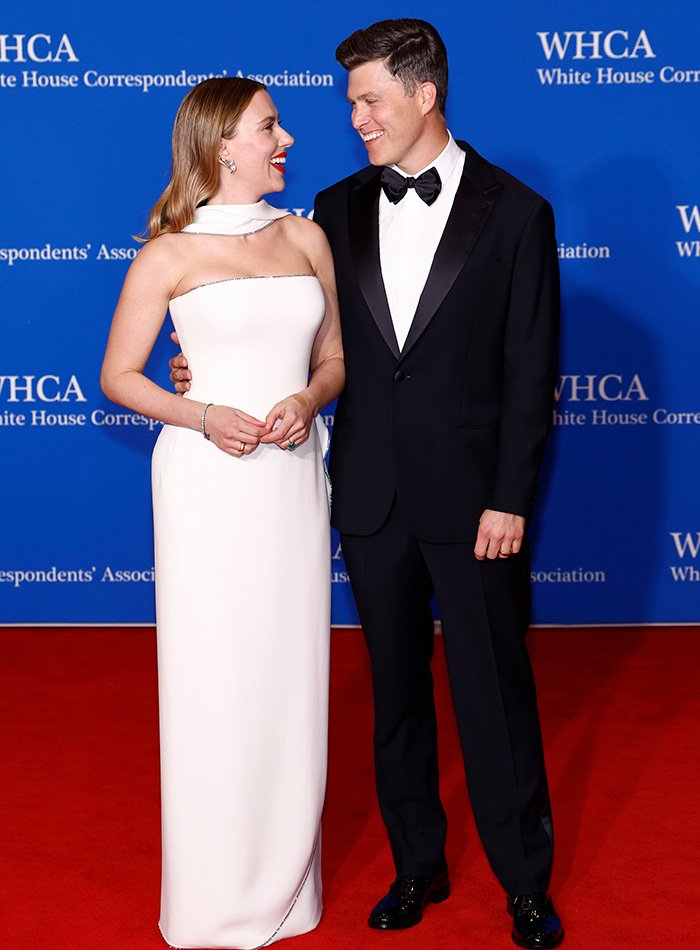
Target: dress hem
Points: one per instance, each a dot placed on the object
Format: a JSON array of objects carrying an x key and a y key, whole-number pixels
[{"x": 269, "y": 940}]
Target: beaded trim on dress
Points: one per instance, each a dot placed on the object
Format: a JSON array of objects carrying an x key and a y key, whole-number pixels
[
  {"x": 224, "y": 280},
  {"x": 296, "y": 898}
]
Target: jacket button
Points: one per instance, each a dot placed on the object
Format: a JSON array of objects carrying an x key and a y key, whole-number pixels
[{"x": 399, "y": 376}]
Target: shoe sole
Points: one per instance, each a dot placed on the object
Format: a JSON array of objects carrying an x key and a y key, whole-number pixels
[{"x": 436, "y": 897}]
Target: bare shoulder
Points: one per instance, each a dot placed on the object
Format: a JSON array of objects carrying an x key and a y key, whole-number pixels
[
  {"x": 158, "y": 265},
  {"x": 165, "y": 254},
  {"x": 157, "y": 253},
  {"x": 305, "y": 233}
]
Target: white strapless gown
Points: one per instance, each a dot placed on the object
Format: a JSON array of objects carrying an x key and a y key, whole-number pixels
[{"x": 243, "y": 610}]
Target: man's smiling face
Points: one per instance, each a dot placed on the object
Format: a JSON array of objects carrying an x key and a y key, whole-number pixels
[{"x": 392, "y": 124}]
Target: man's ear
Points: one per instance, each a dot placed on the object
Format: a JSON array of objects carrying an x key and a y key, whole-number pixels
[{"x": 428, "y": 96}]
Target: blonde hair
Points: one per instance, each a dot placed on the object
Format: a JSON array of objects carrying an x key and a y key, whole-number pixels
[{"x": 209, "y": 112}]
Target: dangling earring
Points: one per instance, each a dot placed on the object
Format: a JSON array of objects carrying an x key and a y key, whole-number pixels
[{"x": 228, "y": 163}]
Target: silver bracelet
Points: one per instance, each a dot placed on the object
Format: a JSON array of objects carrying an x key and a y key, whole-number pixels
[{"x": 204, "y": 416}]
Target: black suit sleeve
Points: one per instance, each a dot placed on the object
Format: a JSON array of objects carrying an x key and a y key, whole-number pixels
[
  {"x": 319, "y": 211},
  {"x": 530, "y": 364}
]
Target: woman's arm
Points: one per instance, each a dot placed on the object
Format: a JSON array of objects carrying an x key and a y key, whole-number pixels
[
  {"x": 140, "y": 313},
  {"x": 139, "y": 316}
]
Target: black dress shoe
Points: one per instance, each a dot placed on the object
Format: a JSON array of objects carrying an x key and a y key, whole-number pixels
[
  {"x": 403, "y": 905},
  {"x": 535, "y": 921}
]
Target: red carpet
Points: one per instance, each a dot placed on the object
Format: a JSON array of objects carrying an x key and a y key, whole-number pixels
[{"x": 79, "y": 860}]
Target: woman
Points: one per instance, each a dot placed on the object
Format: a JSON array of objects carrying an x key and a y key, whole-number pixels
[{"x": 241, "y": 522}]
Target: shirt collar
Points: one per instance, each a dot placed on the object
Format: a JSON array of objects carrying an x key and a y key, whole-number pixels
[{"x": 445, "y": 163}]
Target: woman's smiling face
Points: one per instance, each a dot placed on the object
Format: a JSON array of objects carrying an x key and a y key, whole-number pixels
[{"x": 258, "y": 148}]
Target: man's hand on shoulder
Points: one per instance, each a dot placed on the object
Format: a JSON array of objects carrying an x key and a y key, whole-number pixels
[
  {"x": 179, "y": 373},
  {"x": 500, "y": 535}
]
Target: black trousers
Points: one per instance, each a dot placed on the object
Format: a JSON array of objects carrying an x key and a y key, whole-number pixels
[{"x": 485, "y": 609}]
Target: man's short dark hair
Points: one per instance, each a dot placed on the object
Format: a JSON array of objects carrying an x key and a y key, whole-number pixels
[{"x": 412, "y": 51}]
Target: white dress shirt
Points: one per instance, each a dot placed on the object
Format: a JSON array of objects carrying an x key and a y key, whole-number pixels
[{"x": 409, "y": 234}]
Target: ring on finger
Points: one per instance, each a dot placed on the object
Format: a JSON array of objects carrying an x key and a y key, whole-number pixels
[
  {"x": 291, "y": 446},
  {"x": 504, "y": 554},
  {"x": 242, "y": 448}
]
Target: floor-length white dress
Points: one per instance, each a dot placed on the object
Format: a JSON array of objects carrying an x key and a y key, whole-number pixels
[{"x": 243, "y": 612}]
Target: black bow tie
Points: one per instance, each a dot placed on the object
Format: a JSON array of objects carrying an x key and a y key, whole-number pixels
[{"x": 395, "y": 186}]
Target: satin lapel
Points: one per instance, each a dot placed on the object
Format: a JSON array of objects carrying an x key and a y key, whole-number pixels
[
  {"x": 363, "y": 224},
  {"x": 470, "y": 212}
]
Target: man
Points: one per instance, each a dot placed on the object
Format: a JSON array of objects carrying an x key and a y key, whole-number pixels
[
  {"x": 449, "y": 307},
  {"x": 447, "y": 278}
]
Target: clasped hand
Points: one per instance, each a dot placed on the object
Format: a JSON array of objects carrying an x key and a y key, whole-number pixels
[{"x": 237, "y": 433}]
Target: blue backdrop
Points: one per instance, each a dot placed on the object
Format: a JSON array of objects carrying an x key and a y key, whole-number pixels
[{"x": 594, "y": 104}]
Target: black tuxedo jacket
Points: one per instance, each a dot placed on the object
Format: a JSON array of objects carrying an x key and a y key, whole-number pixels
[{"x": 457, "y": 420}]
